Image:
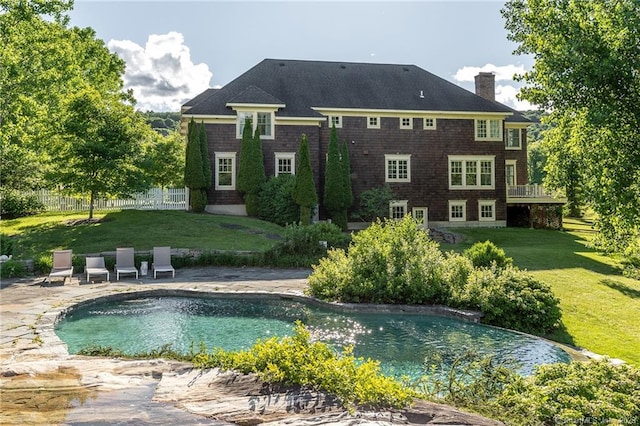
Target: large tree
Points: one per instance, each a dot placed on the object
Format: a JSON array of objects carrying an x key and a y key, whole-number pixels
[
  {"x": 304, "y": 192},
  {"x": 165, "y": 159},
  {"x": 587, "y": 74},
  {"x": 43, "y": 63},
  {"x": 102, "y": 155}
]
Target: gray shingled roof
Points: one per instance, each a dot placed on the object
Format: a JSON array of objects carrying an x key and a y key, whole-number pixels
[{"x": 303, "y": 85}]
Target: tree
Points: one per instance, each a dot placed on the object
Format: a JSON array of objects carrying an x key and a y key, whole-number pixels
[
  {"x": 43, "y": 64},
  {"x": 194, "y": 177},
  {"x": 347, "y": 190},
  {"x": 165, "y": 159},
  {"x": 204, "y": 154},
  {"x": 251, "y": 174},
  {"x": 304, "y": 192},
  {"x": 103, "y": 153},
  {"x": 587, "y": 73},
  {"x": 333, "y": 182}
]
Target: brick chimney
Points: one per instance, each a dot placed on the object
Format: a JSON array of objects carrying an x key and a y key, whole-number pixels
[{"x": 486, "y": 85}]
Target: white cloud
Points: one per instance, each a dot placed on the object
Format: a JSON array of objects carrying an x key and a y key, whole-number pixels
[
  {"x": 502, "y": 73},
  {"x": 507, "y": 95},
  {"x": 161, "y": 74}
]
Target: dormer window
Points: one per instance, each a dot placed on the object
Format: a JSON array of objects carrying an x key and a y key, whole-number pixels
[
  {"x": 260, "y": 119},
  {"x": 335, "y": 120}
]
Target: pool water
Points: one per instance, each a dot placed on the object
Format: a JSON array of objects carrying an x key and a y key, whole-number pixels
[{"x": 401, "y": 342}]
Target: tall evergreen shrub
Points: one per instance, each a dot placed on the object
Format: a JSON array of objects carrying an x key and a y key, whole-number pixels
[
  {"x": 304, "y": 192},
  {"x": 251, "y": 175},
  {"x": 194, "y": 177}
]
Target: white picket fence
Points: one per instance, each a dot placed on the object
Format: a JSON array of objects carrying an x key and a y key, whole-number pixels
[{"x": 154, "y": 199}]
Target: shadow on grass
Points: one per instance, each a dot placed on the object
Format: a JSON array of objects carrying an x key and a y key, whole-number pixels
[
  {"x": 622, "y": 288},
  {"x": 561, "y": 335}
]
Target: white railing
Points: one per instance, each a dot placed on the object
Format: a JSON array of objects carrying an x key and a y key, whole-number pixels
[
  {"x": 154, "y": 199},
  {"x": 531, "y": 191}
]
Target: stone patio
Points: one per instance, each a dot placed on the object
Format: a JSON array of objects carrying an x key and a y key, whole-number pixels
[{"x": 40, "y": 383}]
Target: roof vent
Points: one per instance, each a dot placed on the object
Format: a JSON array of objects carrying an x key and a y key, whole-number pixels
[
  {"x": 421, "y": 94},
  {"x": 405, "y": 68},
  {"x": 343, "y": 66},
  {"x": 281, "y": 64}
]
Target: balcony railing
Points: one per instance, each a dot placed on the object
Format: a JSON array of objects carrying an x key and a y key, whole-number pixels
[{"x": 533, "y": 193}]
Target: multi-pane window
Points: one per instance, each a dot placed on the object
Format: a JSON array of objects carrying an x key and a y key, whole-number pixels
[
  {"x": 225, "y": 176},
  {"x": 513, "y": 139},
  {"x": 486, "y": 210},
  {"x": 335, "y": 120},
  {"x": 420, "y": 215},
  {"x": 264, "y": 123},
  {"x": 260, "y": 120},
  {"x": 398, "y": 168},
  {"x": 457, "y": 211},
  {"x": 373, "y": 122},
  {"x": 397, "y": 209},
  {"x": 285, "y": 163},
  {"x": 510, "y": 172},
  {"x": 471, "y": 172},
  {"x": 429, "y": 123},
  {"x": 406, "y": 123},
  {"x": 490, "y": 130}
]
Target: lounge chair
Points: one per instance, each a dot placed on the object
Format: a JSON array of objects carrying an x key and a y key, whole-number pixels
[
  {"x": 162, "y": 261},
  {"x": 125, "y": 262},
  {"x": 62, "y": 265},
  {"x": 95, "y": 266}
]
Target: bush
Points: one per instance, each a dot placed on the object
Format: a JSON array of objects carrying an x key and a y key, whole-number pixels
[
  {"x": 374, "y": 204},
  {"x": 13, "y": 204},
  {"x": 12, "y": 269},
  {"x": 594, "y": 392},
  {"x": 296, "y": 360},
  {"x": 389, "y": 262},
  {"x": 485, "y": 254},
  {"x": 300, "y": 240},
  {"x": 511, "y": 298},
  {"x": 6, "y": 245},
  {"x": 275, "y": 202}
]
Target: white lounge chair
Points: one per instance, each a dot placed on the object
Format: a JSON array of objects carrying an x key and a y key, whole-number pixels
[
  {"x": 162, "y": 261},
  {"x": 95, "y": 266},
  {"x": 62, "y": 265},
  {"x": 125, "y": 263}
]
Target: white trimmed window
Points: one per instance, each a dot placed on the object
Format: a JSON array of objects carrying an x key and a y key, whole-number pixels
[
  {"x": 285, "y": 163},
  {"x": 335, "y": 120},
  {"x": 513, "y": 139},
  {"x": 397, "y": 168},
  {"x": 457, "y": 210},
  {"x": 373, "y": 122},
  {"x": 397, "y": 209},
  {"x": 262, "y": 120},
  {"x": 486, "y": 210},
  {"x": 510, "y": 172},
  {"x": 488, "y": 130},
  {"x": 429, "y": 123},
  {"x": 225, "y": 170},
  {"x": 420, "y": 214},
  {"x": 406, "y": 123},
  {"x": 473, "y": 172}
]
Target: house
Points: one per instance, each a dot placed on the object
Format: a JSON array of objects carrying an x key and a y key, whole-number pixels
[{"x": 448, "y": 155}]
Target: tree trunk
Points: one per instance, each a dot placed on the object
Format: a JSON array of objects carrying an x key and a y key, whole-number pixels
[{"x": 91, "y": 198}]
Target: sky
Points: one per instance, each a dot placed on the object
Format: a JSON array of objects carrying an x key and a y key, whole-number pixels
[{"x": 174, "y": 50}]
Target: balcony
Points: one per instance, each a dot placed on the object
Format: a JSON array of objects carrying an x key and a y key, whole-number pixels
[{"x": 533, "y": 194}]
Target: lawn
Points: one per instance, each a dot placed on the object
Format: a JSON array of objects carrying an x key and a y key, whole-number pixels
[
  {"x": 600, "y": 307},
  {"x": 142, "y": 230}
]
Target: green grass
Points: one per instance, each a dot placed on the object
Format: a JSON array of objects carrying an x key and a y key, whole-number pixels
[
  {"x": 39, "y": 235},
  {"x": 600, "y": 307}
]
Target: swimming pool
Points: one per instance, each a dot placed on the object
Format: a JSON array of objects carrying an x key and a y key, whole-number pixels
[{"x": 400, "y": 341}]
